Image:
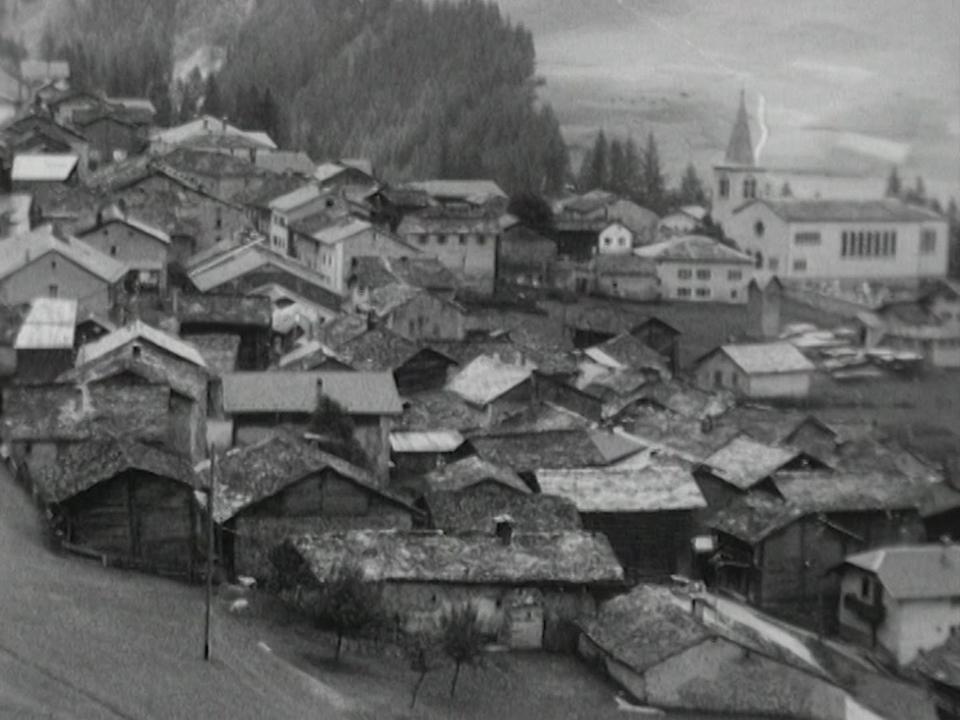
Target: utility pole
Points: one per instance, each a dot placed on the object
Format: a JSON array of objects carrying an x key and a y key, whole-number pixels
[{"x": 211, "y": 494}]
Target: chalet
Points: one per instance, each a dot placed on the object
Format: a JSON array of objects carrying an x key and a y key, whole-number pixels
[
  {"x": 699, "y": 269},
  {"x": 525, "y": 586},
  {"x": 41, "y": 264},
  {"x": 416, "y": 452},
  {"x": 579, "y": 222},
  {"x": 647, "y": 513},
  {"x": 598, "y": 394},
  {"x": 744, "y": 465},
  {"x": 628, "y": 352},
  {"x": 940, "y": 669},
  {"x": 130, "y": 502},
  {"x": 615, "y": 239},
  {"x": 251, "y": 268},
  {"x": 259, "y": 402},
  {"x": 143, "y": 248},
  {"x": 285, "y": 486},
  {"x": 901, "y": 600},
  {"x": 414, "y": 368},
  {"x": 496, "y": 386},
  {"x": 594, "y": 324},
  {"x": 45, "y": 341},
  {"x": 138, "y": 352},
  {"x": 655, "y": 643},
  {"x": 526, "y": 258},
  {"x": 114, "y": 133},
  {"x": 464, "y": 240},
  {"x": 42, "y": 421},
  {"x": 757, "y": 370},
  {"x": 247, "y": 317}
]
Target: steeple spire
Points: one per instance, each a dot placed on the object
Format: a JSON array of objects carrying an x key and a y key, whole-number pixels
[{"x": 740, "y": 149}]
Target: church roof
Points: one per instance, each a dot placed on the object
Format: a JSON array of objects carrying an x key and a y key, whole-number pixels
[{"x": 740, "y": 149}]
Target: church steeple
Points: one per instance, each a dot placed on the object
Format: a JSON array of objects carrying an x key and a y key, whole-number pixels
[{"x": 740, "y": 149}]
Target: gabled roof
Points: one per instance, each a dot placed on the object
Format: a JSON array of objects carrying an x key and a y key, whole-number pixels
[
  {"x": 480, "y": 507},
  {"x": 914, "y": 572},
  {"x": 858, "y": 490},
  {"x": 661, "y": 486},
  {"x": 558, "y": 558},
  {"x": 441, "y": 410},
  {"x": 18, "y": 252},
  {"x": 471, "y": 471},
  {"x": 754, "y": 517},
  {"x": 42, "y": 167},
  {"x": 115, "y": 215},
  {"x": 740, "y": 147},
  {"x": 247, "y": 475},
  {"x": 858, "y": 211},
  {"x": 208, "y": 125},
  {"x": 296, "y": 198},
  {"x": 693, "y": 248},
  {"x": 139, "y": 330},
  {"x": 626, "y": 351},
  {"x": 575, "y": 448},
  {"x": 80, "y": 466},
  {"x": 225, "y": 309},
  {"x": 473, "y": 191},
  {"x": 743, "y": 462},
  {"x": 340, "y": 231},
  {"x": 50, "y": 324},
  {"x": 360, "y": 393},
  {"x": 425, "y": 441},
  {"x": 285, "y": 161},
  {"x": 487, "y": 378},
  {"x": 377, "y": 349},
  {"x": 765, "y": 358}
]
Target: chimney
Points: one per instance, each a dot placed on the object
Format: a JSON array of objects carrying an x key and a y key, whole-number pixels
[{"x": 504, "y": 528}]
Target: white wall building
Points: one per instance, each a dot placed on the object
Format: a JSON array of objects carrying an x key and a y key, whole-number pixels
[
  {"x": 615, "y": 239},
  {"x": 699, "y": 269}
]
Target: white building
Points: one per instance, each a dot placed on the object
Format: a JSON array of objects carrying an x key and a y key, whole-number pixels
[
  {"x": 756, "y": 370},
  {"x": 700, "y": 269},
  {"x": 901, "y": 599},
  {"x": 842, "y": 239},
  {"x": 615, "y": 239},
  {"x": 290, "y": 208}
]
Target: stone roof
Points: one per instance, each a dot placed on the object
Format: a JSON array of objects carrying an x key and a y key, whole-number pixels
[
  {"x": 377, "y": 349},
  {"x": 139, "y": 330},
  {"x": 853, "y": 211},
  {"x": 553, "y": 449},
  {"x": 914, "y": 572},
  {"x": 247, "y": 475},
  {"x": 657, "y": 487},
  {"x": 245, "y": 310},
  {"x": 210, "y": 163},
  {"x": 423, "y": 272},
  {"x": 487, "y": 378},
  {"x": 285, "y": 161},
  {"x": 18, "y": 252},
  {"x": 359, "y": 393},
  {"x": 473, "y": 191},
  {"x": 441, "y": 410},
  {"x": 558, "y": 558},
  {"x": 852, "y": 491},
  {"x": 219, "y": 351},
  {"x": 82, "y": 465},
  {"x": 470, "y": 472},
  {"x": 628, "y": 351},
  {"x": 477, "y": 510},
  {"x": 743, "y": 462},
  {"x": 766, "y": 358},
  {"x": 753, "y": 517}
]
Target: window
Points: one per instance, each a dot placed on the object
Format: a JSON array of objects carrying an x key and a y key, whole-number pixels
[
  {"x": 703, "y": 274},
  {"x": 928, "y": 242},
  {"x": 608, "y": 241},
  {"x": 734, "y": 274},
  {"x": 53, "y": 264},
  {"x": 622, "y": 242},
  {"x": 113, "y": 251},
  {"x": 865, "y": 587},
  {"x": 53, "y": 291},
  {"x": 718, "y": 378},
  {"x": 806, "y": 238},
  {"x": 868, "y": 243},
  {"x": 463, "y": 239},
  {"x": 724, "y": 187},
  {"x": 441, "y": 239},
  {"x": 422, "y": 239},
  {"x": 703, "y": 292},
  {"x": 800, "y": 265},
  {"x": 773, "y": 263},
  {"x": 412, "y": 327},
  {"x": 733, "y": 294},
  {"x": 684, "y": 273},
  {"x": 759, "y": 228},
  {"x": 749, "y": 188},
  {"x": 683, "y": 292},
  {"x": 481, "y": 239}
]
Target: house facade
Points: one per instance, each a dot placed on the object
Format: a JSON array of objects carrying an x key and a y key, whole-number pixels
[
  {"x": 615, "y": 239},
  {"x": 142, "y": 248},
  {"x": 756, "y": 370},
  {"x": 699, "y": 269}
]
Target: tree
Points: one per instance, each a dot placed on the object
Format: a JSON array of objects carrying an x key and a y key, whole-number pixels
[
  {"x": 348, "y": 604},
  {"x": 337, "y": 431},
  {"x": 691, "y": 188},
  {"x": 531, "y": 210},
  {"x": 462, "y": 641},
  {"x": 212, "y": 102},
  {"x": 593, "y": 171},
  {"x": 631, "y": 163},
  {"x": 618, "y": 181},
  {"x": 917, "y": 195},
  {"x": 191, "y": 92},
  {"x": 424, "y": 654},
  {"x": 653, "y": 183},
  {"x": 894, "y": 185},
  {"x": 786, "y": 191},
  {"x": 936, "y": 206}
]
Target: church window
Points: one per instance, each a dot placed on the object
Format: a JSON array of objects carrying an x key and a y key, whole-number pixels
[
  {"x": 759, "y": 228},
  {"x": 724, "y": 187}
]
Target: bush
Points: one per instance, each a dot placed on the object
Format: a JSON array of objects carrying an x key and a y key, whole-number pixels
[
  {"x": 348, "y": 604},
  {"x": 461, "y": 640}
]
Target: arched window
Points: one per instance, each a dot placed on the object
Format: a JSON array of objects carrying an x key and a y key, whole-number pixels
[
  {"x": 759, "y": 228},
  {"x": 758, "y": 260},
  {"x": 749, "y": 188}
]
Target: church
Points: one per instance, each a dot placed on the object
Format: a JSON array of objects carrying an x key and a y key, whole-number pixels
[{"x": 822, "y": 239}]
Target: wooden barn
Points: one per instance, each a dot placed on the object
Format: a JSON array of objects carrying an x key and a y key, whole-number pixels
[
  {"x": 131, "y": 502},
  {"x": 285, "y": 485}
]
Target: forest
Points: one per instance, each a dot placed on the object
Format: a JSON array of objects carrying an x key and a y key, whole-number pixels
[{"x": 442, "y": 89}]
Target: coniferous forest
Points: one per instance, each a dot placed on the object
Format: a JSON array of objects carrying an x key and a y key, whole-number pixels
[{"x": 442, "y": 89}]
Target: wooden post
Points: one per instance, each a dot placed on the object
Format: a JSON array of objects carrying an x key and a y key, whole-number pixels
[{"x": 211, "y": 493}]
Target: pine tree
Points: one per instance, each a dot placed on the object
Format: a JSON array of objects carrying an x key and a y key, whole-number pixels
[
  {"x": 691, "y": 188},
  {"x": 653, "y": 183},
  {"x": 631, "y": 162},
  {"x": 894, "y": 185},
  {"x": 594, "y": 171},
  {"x": 212, "y": 102},
  {"x": 618, "y": 168}
]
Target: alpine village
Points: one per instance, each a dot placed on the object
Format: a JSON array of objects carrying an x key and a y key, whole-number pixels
[{"x": 693, "y": 455}]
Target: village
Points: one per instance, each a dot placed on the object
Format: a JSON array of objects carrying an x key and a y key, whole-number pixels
[{"x": 704, "y": 456}]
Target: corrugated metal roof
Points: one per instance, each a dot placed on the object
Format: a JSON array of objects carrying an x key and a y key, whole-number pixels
[
  {"x": 50, "y": 324},
  {"x": 139, "y": 330},
  {"x": 429, "y": 441},
  {"x": 360, "y": 393},
  {"x": 657, "y": 487},
  {"x": 37, "y": 168}
]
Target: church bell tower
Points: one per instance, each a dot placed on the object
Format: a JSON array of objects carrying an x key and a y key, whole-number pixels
[{"x": 737, "y": 180}]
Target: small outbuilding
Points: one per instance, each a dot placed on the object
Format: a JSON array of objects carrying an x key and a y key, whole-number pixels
[{"x": 757, "y": 370}]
